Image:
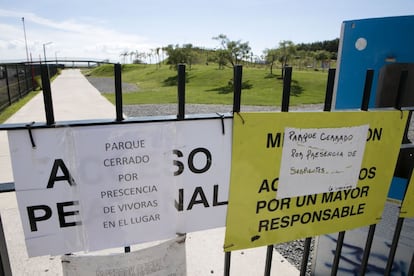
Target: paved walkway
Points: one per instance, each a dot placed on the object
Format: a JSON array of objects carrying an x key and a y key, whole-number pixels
[{"x": 74, "y": 98}]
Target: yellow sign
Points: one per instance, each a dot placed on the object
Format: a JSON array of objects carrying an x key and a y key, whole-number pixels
[
  {"x": 407, "y": 207},
  {"x": 255, "y": 217}
]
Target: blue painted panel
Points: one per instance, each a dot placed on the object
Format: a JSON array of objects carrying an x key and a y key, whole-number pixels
[{"x": 388, "y": 40}]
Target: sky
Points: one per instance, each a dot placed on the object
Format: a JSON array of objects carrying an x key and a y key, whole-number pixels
[{"x": 105, "y": 29}]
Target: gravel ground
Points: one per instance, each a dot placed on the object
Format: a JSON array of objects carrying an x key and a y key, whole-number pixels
[
  {"x": 107, "y": 85},
  {"x": 171, "y": 109}
]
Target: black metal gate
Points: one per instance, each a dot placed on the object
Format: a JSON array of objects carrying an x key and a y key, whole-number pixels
[{"x": 237, "y": 80}]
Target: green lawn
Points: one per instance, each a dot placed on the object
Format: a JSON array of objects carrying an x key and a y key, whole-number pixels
[
  {"x": 10, "y": 110},
  {"x": 206, "y": 84}
]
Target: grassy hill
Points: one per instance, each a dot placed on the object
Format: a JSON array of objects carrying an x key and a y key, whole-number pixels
[{"x": 206, "y": 84}]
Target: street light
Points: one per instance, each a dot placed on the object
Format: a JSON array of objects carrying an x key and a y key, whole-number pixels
[
  {"x": 44, "y": 48},
  {"x": 25, "y": 40}
]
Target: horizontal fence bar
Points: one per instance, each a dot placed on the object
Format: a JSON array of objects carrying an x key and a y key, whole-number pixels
[
  {"x": 131, "y": 120},
  {"x": 7, "y": 187}
]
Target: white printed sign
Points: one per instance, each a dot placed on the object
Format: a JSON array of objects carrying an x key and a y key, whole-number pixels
[
  {"x": 97, "y": 187},
  {"x": 320, "y": 160}
]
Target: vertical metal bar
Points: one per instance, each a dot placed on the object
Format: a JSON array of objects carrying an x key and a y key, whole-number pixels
[
  {"x": 394, "y": 245},
  {"x": 327, "y": 107},
  {"x": 7, "y": 84},
  {"x": 237, "y": 86},
  {"x": 181, "y": 91},
  {"x": 27, "y": 90},
  {"x": 367, "y": 89},
  {"x": 367, "y": 250},
  {"x": 401, "y": 87},
  {"x": 287, "y": 79},
  {"x": 329, "y": 90},
  {"x": 305, "y": 257},
  {"x": 227, "y": 260},
  {"x": 411, "y": 269},
  {"x": 370, "y": 237},
  {"x": 4, "y": 256},
  {"x": 338, "y": 251},
  {"x": 269, "y": 258},
  {"x": 47, "y": 95},
  {"x": 118, "y": 92},
  {"x": 18, "y": 81},
  {"x": 118, "y": 107}
]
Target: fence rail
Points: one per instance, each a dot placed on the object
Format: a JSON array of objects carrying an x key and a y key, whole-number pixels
[{"x": 19, "y": 79}]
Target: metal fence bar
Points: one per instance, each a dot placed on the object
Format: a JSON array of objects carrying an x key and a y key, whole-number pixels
[
  {"x": 367, "y": 250},
  {"x": 287, "y": 79},
  {"x": 394, "y": 246},
  {"x": 269, "y": 258},
  {"x": 47, "y": 96},
  {"x": 237, "y": 82},
  {"x": 18, "y": 81},
  {"x": 305, "y": 257},
  {"x": 118, "y": 92},
  {"x": 370, "y": 237},
  {"x": 367, "y": 89},
  {"x": 411, "y": 269},
  {"x": 328, "y": 107},
  {"x": 4, "y": 257},
  {"x": 329, "y": 90},
  {"x": 237, "y": 85},
  {"x": 401, "y": 87},
  {"x": 7, "y": 85},
  {"x": 338, "y": 252},
  {"x": 181, "y": 91},
  {"x": 227, "y": 261}
]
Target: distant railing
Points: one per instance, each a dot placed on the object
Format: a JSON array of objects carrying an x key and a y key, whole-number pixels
[{"x": 18, "y": 79}]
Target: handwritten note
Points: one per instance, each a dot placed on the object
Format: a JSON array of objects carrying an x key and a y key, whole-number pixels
[{"x": 319, "y": 160}]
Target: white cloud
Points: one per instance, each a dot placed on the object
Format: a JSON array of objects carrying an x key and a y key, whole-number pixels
[{"x": 70, "y": 38}]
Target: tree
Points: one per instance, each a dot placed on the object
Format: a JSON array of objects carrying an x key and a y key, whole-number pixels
[
  {"x": 286, "y": 49},
  {"x": 270, "y": 58},
  {"x": 232, "y": 51},
  {"x": 324, "y": 57},
  {"x": 176, "y": 54},
  {"x": 124, "y": 54}
]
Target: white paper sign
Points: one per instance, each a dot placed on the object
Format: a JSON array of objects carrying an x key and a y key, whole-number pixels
[
  {"x": 95, "y": 187},
  {"x": 319, "y": 160},
  {"x": 125, "y": 186},
  {"x": 167, "y": 258}
]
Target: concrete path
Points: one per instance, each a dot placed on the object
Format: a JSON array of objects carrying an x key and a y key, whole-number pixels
[{"x": 74, "y": 98}]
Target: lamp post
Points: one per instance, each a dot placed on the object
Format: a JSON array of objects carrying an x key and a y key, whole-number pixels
[
  {"x": 44, "y": 48},
  {"x": 25, "y": 40}
]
